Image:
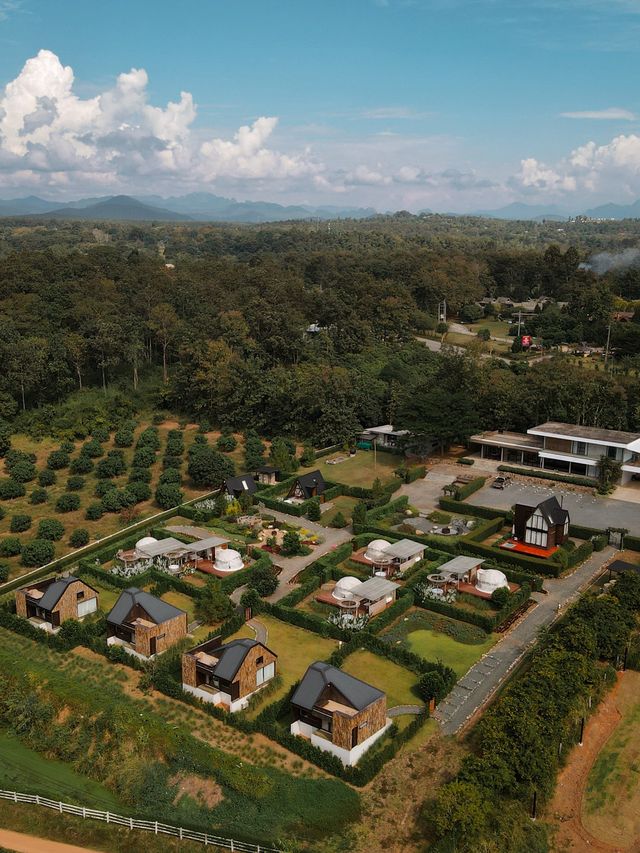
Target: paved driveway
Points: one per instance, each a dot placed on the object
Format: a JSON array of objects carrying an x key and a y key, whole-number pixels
[
  {"x": 476, "y": 688},
  {"x": 583, "y": 507}
]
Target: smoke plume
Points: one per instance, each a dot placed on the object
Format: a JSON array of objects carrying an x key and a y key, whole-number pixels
[{"x": 605, "y": 262}]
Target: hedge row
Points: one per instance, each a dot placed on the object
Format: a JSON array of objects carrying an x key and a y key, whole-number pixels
[
  {"x": 396, "y": 505},
  {"x": 452, "y": 505},
  {"x": 463, "y": 492},
  {"x": 485, "y": 621},
  {"x": 541, "y": 474},
  {"x": 417, "y": 472},
  {"x": 388, "y": 616}
]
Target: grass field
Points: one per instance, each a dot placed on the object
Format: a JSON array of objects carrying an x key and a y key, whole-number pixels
[
  {"x": 359, "y": 470},
  {"x": 439, "y": 638},
  {"x": 611, "y": 805},
  {"x": 23, "y": 770},
  {"x": 296, "y": 649},
  {"x": 181, "y": 601},
  {"x": 341, "y": 504},
  {"x": 398, "y": 683},
  {"x": 107, "y": 595}
]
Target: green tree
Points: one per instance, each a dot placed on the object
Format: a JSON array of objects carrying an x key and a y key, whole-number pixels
[
  {"x": 213, "y": 605},
  {"x": 164, "y": 323},
  {"x": 208, "y": 467}
]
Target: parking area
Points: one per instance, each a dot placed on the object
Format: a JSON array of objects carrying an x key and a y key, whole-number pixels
[{"x": 583, "y": 507}]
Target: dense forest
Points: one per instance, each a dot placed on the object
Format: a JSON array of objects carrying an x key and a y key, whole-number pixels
[{"x": 212, "y": 321}]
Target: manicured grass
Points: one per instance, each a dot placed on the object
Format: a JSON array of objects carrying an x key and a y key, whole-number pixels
[
  {"x": 295, "y": 647},
  {"x": 108, "y": 595},
  {"x": 26, "y": 771},
  {"x": 394, "y": 680},
  {"x": 359, "y": 470},
  {"x": 435, "y": 646},
  {"x": 181, "y": 601},
  {"x": 341, "y": 504},
  {"x": 439, "y": 638},
  {"x": 498, "y": 328}
]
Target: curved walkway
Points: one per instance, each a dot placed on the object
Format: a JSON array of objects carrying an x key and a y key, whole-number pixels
[
  {"x": 260, "y": 630},
  {"x": 400, "y": 710}
]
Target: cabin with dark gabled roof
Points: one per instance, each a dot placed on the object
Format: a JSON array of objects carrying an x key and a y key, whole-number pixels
[
  {"x": 51, "y": 602},
  {"x": 543, "y": 526},
  {"x": 244, "y": 484},
  {"x": 228, "y": 674},
  {"x": 143, "y": 625},
  {"x": 338, "y": 713},
  {"x": 307, "y": 486}
]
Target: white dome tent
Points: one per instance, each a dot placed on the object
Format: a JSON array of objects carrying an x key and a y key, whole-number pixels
[
  {"x": 146, "y": 540},
  {"x": 228, "y": 560},
  {"x": 377, "y": 552},
  {"x": 489, "y": 580},
  {"x": 343, "y": 590}
]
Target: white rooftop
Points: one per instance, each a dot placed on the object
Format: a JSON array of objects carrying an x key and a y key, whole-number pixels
[
  {"x": 164, "y": 546},
  {"x": 459, "y": 564},
  {"x": 375, "y": 588},
  {"x": 405, "y": 548}
]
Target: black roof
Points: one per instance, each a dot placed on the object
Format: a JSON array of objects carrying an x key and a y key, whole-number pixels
[
  {"x": 242, "y": 483},
  {"x": 552, "y": 511},
  {"x": 621, "y": 566},
  {"x": 55, "y": 590},
  {"x": 230, "y": 655},
  {"x": 158, "y": 610},
  {"x": 268, "y": 469},
  {"x": 312, "y": 481},
  {"x": 321, "y": 675}
]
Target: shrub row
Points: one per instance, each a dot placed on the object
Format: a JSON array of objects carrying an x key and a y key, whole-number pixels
[
  {"x": 574, "y": 479},
  {"x": 452, "y": 505},
  {"x": 388, "y": 616},
  {"x": 463, "y": 492}
]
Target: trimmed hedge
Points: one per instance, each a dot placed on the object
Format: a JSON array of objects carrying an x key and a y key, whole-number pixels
[
  {"x": 463, "y": 492},
  {"x": 388, "y": 616},
  {"x": 487, "y": 622},
  {"x": 452, "y": 505},
  {"x": 417, "y": 472},
  {"x": 574, "y": 479}
]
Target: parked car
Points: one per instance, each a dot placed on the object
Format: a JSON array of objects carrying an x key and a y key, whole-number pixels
[{"x": 501, "y": 483}]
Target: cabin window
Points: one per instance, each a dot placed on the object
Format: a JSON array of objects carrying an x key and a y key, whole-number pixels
[
  {"x": 160, "y": 636},
  {"x": 265, "y": 674},
  {"x": 79, "y": 595},
  {"x": 259, "y": 660}
]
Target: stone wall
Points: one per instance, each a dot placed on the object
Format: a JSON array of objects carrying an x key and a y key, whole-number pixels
[{"x": 368, "y": 722}]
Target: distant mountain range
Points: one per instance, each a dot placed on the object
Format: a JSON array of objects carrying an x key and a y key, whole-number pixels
[
  {"x": 207, "y": 207},
  {"x": 202, "y": 207}
]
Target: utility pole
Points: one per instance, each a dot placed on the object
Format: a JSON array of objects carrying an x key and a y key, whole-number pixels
[
  {"x": 606, "y": 349},
  {"x": 442, "y": 311}
]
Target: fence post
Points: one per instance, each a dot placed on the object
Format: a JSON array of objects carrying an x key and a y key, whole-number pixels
[
  {"x": 231, "y": 845},
  {"x": 156, "y": 827},
  {"x": 84, "y": 812},
  {"x": 130, "y": 823},
  {"x": 60, "y": 807},
  {"x": 15, "y": 796},
  {"x": 180, "y": 833},
  {"x": 107, "y": 817}
]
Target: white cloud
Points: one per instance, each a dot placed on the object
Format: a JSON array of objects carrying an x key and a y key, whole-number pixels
[
  {"x": 50, "y": 136},
  {"x": 609, "y": 114}
]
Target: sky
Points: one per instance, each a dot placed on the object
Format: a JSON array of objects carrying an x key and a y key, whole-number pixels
[{"x": 447, "y": 105}]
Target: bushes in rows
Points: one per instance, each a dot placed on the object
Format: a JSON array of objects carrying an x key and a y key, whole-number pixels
[
  {"x": 207, "y": 467},
  {"x": 144, "y": 457},
  {"x": 10, "y": 489},
  {"x": 175, "y": 443},
  {"x": 124, "y": 436},
  {"x": 172, "y": 463},
  {"x": 92, "y": 449},
  {"x": 47, "y": 477},
  {"x": 171, "y": 475},
  {"x": 20, "y": 523},
  {"x": 10, "y": 546},
  {"x": 112, "y": 465},
  {"x": 550, "y": 475},
  {"x": 141, "y": 491},
  {"x": 82, "y": 464},
  {"x": 38, "y": 496},
  {"x": 50, "y": 528},
  {"x": 68, "y": 503},
  {"x": 100, "y": 432},
  {"x": 75, "y": 483},
  {"x": 140, "y": 475},
  {"x": 94, "y": 512},
  {"x": 103, "y": 487},
  {"x": 117, "y": 499},
  {"x": 149, "y": 437},
  {"x": 21, "y": 466},
  {"x": 37, "y": 553},
  {"x": 79, "y": 538},
  {"x": 226, "y": 443},
  {"x": 57, "y": 460},
  {"x": 168, "y": 495}
]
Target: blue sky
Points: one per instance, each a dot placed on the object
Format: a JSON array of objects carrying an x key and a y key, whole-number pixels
[{"x": 445, "y": 104}]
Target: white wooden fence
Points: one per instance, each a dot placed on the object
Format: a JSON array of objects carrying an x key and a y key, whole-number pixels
[{"x": 131, "y": 823}]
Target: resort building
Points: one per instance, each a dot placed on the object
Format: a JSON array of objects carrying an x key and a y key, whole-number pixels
[
  {"x": 307, "y": 486},
  {"x": 545, "y": 526},
  {"x": 390, "y": 558},
  {"x": 144, "y": 625},
  {"x": 170, "y": 554},
  {"x": 563, "y": 447},
  {"x": 465, "y": 575},
  {"x": 228, "y": 674},
  {"x": 338, "y": 713},
  {"x": 384, "y": 437},
  {"x": 49, "y": 603},
  {"x": 361, "y": 598}
]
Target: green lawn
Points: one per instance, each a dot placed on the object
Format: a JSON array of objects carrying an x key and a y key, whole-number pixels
[
  {"x": 498, "y": 328},
  {"x": 108, "y": 595},
  {"x": 396, "y": 681},
  {"x": 359, "y": 470},
  {"x": 341, "y": 504},
  {"x": 434, "y": 645},
  {"x": 23, "y": 770},
  {"x": 181, "y": 601},
  {"x": 295, "y": 647}
]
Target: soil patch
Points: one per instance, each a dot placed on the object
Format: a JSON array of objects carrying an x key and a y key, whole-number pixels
[
  {"x": 604, "y": 832},
  {"x": 204, "y": 791}
]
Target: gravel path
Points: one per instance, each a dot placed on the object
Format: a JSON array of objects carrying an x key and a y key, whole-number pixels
[
  {"x": 476, "y": 688},
  {"x": 262, "y": 635},
  {"x": 399, "y": 710}
]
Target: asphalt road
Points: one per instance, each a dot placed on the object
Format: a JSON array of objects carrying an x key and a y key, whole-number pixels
[
  {"x": 476, "y": 688},
  {"x": 583, "y": 507}
]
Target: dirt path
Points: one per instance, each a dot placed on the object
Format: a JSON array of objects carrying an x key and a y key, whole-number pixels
[
  {"x": 566, "y": 807},
  {"x": 31, "y": 844}
]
